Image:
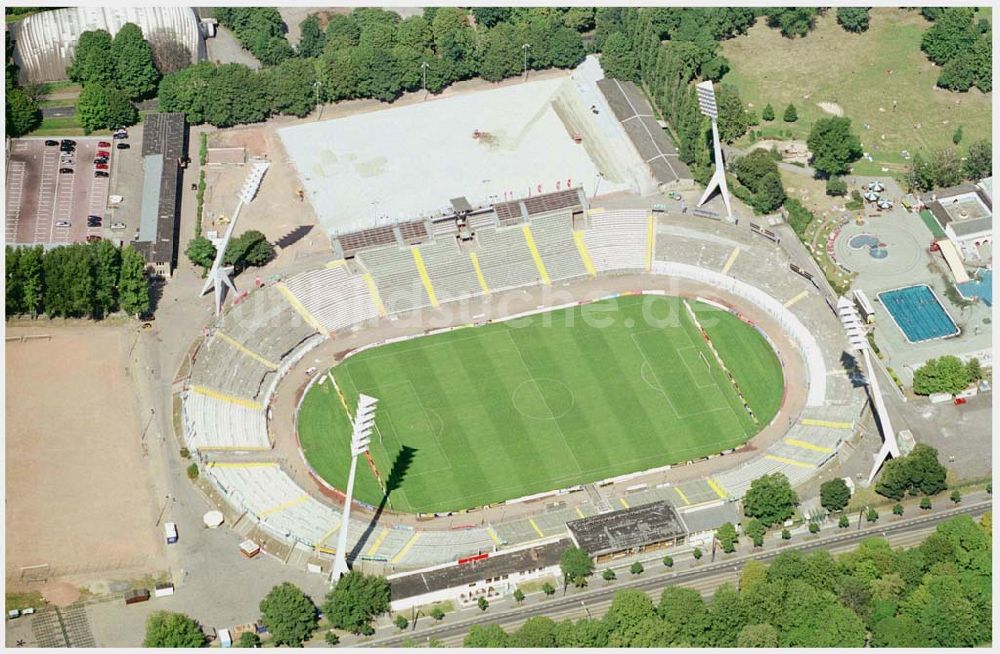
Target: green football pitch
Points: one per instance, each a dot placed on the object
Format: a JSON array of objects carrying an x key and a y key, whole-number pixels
[{"x": 485, "y": 414}]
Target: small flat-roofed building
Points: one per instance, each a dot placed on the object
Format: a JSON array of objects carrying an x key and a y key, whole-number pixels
[
  {"x": 965, "y": 213},
  {"x": 701, "y": 523},
  {"x": 486, "y": 575},
  {"x": 617, "y": 534},
  {"x": 164, "y": 142}
]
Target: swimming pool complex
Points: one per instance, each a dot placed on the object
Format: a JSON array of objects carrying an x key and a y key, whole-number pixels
[{"x": 918, "y": 313}]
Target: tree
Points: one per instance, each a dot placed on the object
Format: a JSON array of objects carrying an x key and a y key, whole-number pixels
[
  {"x": 786, "y": 535},
  {"x": 844, "y": 522},
  {"x": 836, "y": 186},
  {"x": 956, "y": 137},
  {"x": 133, "y": 283},
  {"x": 201, "y": 252},
  {"x": 925, "y": 503},
  {"x": 135, "y": 73},
  {"x": 946, "y": 374},
  {"x": 490, "y": 16},
  {"x": 538, "y": 631},
  {"x": 483, "y": 604},
  {"x": 401, "y": 622},
  {"x": 618, "y": 58},
  {"x": 668, "y": 561},
  {"x": 609, "y": 575},
  {"x": 548, "y": 589},
  {"x": 755, "y": 529},
  {"x": 834, "y": 494},
  {"x": 30, "y": 273},
  {"x": 686, "y": 610},
  {"x": 758, "y": 172},
  {"x": 956, "y": 496},
  {"x": 871, "y": 515},
  {"x": 952, "y": 34},
  {"x": 500, "y": 53},
  {"x": 833, "y": 145},
  {"x": 636, "y": 568},
  {"x": 566, "y": 47},
  {"x": 727, "y": 536},
  {"x": 576, "y": 565},
  {"x": 791, "y": 115},
  {"x": 486, "y": 636},
  {"x": 943, "y": 609},
  {"x": 770, "y": 499},
  {"x": 757, "y": 635},
  {"x": 898, "y": 631},
  {"x": 813, "y": 527},
  {"x": 947, "y": 167},
  {"x": 169, "y": 54},
  {"x": 291, "y": 85},
  {"x": 251, "y": 248},
  {"x": 93, "y": 59},
  {"x": 733, "y": 118},
  {"x": 979, "y": 162},
  {"x": 853, "y": 19},
  {"x": 768, "y": 112},
  {"x": 22, "y": 113},
  {"x": 248, "y": 639},
  {"x": 697, "y": 553},
  {"x": 926, "y": 472},
  {"x": 289, "y": 615},
  {"x": 897, "y": 509},
  {"x": 164, "y": 629},
  {"x": 104, "y": 107},
  {"x": 312, "y": 38},
  {"x": 356, "y": 600},
  {"x": 107, "y": 270},
  {"x": 793, "y": 21}
]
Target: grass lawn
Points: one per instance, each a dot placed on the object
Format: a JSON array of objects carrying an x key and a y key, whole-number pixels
[
  {"x": 832, "y": 65},
  {"x": 481, "y": 415}
]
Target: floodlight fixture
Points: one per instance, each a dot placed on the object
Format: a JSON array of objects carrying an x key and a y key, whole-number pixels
[
  {"x": 708, "y": 107},
  {"x": 858, "y": 338},
  {"x": 218, "y": 277},
  {"x": 361, "y": 437}
]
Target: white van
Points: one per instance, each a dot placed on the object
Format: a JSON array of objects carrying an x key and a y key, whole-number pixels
[{"x": 170, "y": 532}]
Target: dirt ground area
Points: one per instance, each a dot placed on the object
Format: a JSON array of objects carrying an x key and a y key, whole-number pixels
[{"x": 79, "y": 498}]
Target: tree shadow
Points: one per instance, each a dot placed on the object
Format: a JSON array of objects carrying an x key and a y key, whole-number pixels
[
  {"x": 293, "y": 236},
  {"x": 156, "y": 285},
  {"x": 404, "y": 459}
]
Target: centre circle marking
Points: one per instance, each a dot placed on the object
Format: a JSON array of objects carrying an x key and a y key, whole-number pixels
[{"x": 543, "y": 399}]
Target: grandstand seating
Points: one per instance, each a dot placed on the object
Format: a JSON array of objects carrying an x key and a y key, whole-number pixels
[
  {"x": 334, "y": 296},
  {"x": 554, "y": 240},
  {"x": 450, "y": 270},
  {"x": 617, "y": 240},
  {"x": 223, "y": 367},
  {"x": 397, "y": 278},
  {"x": 211, "y": 423},
  {"x": 505, "y": 259},
  {"x": 263, "y": 324}
]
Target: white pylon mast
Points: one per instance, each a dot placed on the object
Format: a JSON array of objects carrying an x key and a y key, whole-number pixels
[
  {"x": 361, "y": 436},
  {"x": 706, "y": 101},
  {"x": 858, "y": 339},
  {"x": 218, "y": 276}
]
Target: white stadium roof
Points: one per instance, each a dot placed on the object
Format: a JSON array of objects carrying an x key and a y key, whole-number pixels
[{"x": 44, "y": 43}]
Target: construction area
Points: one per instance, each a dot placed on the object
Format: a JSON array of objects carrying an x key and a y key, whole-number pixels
[{"x": 490, "y": 146}]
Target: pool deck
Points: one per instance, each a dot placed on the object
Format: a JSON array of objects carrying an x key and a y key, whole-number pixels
[{"x": 909, "y": 263}]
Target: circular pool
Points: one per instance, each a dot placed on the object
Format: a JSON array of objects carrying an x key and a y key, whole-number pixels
[{"x": 863, "y": 241}]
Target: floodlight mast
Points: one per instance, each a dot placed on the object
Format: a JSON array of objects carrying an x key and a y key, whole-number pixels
[
  {"x": 361, "y": 436},
  {"x": 218, "y": 276},
  {"x": 858, "y": 339},
  {"x": 706, "y": 102}
]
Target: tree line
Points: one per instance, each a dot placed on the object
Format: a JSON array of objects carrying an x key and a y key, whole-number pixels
[
  {"x": 21, "y": 111},
  {"x": 368, "y": 53},
  {"x": 937, "y": 594},
  {"x": 251, "y": 248},
  {"x": 947, "y": 167},
  {"x": 82, "y": 280}
]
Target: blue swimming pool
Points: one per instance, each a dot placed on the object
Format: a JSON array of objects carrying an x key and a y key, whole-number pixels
[
  {"x": 981, "y": 287},
  {"x": 918, "y": 313}
]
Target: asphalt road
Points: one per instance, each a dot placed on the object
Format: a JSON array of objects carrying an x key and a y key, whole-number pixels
[{"x": 594, "y": 602}]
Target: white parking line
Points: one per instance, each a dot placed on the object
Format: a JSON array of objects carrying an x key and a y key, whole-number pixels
[{"x": 15, "y": 187}]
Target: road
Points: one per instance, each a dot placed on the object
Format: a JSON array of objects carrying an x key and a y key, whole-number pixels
[
  {"x": 595, "y": 601},
  {"x": 70, "y": 110}
]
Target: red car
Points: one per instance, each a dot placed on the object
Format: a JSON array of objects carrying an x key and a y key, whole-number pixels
[
  {"x": 103, "y": 153},
  {"x": 103, "y": 144},
  {"x": 101, "y": 166}
]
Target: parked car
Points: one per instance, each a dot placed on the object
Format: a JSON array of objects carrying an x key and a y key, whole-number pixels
[
  {"x": 117, "y": 225},
  {"x": 100, "y": 160},
  {"x": 103, "y": 153},
  {"x": 123, "y": 146},
  {"x": 67, "y": 142},
  {"x": 101, "y": 166},
  {"x": 94, "y": 238},
  {"x": 103, "y": 144},
  {"x": 66, "y": 171},
  {"x": 62, "y": 223},
  {"x": 51, "y": 142},
  {"x": 120, "y": 135},
  {"x": 100, "y": 173},
  {"x": 66, "y": 148}
]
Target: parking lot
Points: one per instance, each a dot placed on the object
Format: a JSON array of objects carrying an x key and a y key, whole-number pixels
[{"x": 46, "y": 206}]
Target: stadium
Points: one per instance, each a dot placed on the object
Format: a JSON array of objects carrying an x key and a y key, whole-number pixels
[{"x": 538, "y": 359}]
